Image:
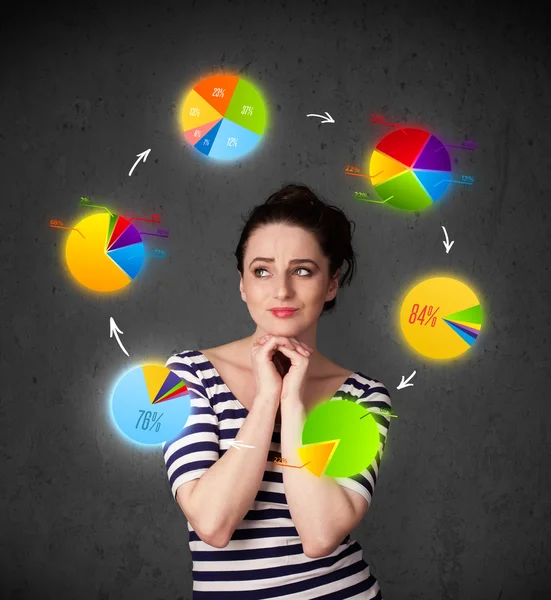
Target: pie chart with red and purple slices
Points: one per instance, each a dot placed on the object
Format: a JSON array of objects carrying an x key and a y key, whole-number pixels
[
  {"x": 150, "y": 404},
  {"x": 104, "y": 252},
  {"x": 410, "y": 169},
  {"x": 223, "y": 117}
]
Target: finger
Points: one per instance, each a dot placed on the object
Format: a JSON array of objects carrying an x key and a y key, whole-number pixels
[
  {"x": 286, "y": 350},
  {"x": 262, "y": 340},
  {"x": 301, "y": 347},
  {"x": 288, "y": 342},
  {"x": 281, "y": 340},
  {"x": 303, "y": 344},
  {"x": 266, "y": 348},
  {"x": 272, "y": 343},
  {"x": 259, "y": 343}
]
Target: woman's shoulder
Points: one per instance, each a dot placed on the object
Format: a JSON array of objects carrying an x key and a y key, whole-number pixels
[
  {"x": 365, "y": 384},
  {"x": 197, "y": 361},
  {"x": 190, "y": 361},
  {"x": 371, "y": 389},
  {"x": 187, "y": 356},
  {"x": 231, "y": 354}
]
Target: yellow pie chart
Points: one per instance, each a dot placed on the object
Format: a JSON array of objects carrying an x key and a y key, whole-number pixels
[
  {"x": 441, "y": 317},
  {"x": 104, "y": 252}
]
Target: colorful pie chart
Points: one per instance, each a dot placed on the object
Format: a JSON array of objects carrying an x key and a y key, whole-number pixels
[
  {"x": 105, "y": 253},
  {"x": 340, "y": 439},
  {"x": 441, "y": 317},
  {"x": 150, "y": 404},
  {"x": 223, "y": 117},
  {"x": 410, "y": 169}
]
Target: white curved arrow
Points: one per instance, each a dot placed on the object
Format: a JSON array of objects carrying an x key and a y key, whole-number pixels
[
  {"x": 447, "y": 244},
  {"x": 328, "y": 118},
  {"x": 405, "y": 383},
  {"x": 113, "y": 329},
  {"x": 239, "y": 444},
  {"x": 143, "y": 155}
]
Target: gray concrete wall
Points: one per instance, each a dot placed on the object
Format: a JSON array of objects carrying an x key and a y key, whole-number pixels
[{"x": 462, "y": 508}]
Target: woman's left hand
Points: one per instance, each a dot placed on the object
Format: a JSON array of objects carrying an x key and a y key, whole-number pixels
[{"x": 299, "y": 355}]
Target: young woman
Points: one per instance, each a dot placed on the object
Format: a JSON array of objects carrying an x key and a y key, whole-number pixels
[{"x": 259, "y": 529}]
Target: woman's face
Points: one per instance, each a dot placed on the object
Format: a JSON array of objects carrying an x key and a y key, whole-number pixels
[{"x": 270, "y": 278}]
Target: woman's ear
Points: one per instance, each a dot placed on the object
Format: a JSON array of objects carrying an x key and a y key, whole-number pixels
[
  {"x": 333, "y": 286},
  {"x": 243, "y": 297}
]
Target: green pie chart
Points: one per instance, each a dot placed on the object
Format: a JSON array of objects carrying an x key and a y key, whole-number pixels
[{"x": 340, "y": 438}]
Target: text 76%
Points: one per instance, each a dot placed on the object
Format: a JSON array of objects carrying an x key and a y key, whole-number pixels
[{"x": 149, "y": 417}]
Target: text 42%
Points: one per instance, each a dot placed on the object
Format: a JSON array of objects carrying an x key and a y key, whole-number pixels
[
  {"x": 427, "y": 311},
  {"x": 149, "y": 418}
]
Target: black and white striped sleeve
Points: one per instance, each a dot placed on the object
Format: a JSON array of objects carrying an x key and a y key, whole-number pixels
[
  {"x": 190, "y": 454},
  {"x": 374, "y": 397}
]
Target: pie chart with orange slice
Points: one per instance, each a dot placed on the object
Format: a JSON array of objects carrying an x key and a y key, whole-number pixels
[
  {"x": 223, "y": 117},
  {"x": 410, "y": 169},
  {"x": 340, "y": 439}
]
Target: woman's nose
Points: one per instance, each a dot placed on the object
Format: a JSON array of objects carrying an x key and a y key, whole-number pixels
[{"x": 283, "y": 286}]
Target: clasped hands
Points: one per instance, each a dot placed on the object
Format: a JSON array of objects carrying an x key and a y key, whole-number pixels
[{"x": 292, "y": 366}]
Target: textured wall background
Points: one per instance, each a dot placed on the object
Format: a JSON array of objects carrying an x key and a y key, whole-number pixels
[{"x": 462, "y": 509}]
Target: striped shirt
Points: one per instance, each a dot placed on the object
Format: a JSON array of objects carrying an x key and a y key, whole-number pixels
[{"x": 264, "y": 558}]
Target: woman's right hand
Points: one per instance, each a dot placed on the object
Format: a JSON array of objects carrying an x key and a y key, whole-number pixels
[{"x": 268, "y": 380}]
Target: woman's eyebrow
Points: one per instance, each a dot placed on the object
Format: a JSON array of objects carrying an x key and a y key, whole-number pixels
[{"x": 292, "y": 262}]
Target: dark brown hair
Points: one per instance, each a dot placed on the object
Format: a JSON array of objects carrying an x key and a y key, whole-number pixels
[{"x": 298, "y": 205}]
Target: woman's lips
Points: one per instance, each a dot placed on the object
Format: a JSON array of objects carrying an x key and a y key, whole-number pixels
[{"x": 282, "y": 314}]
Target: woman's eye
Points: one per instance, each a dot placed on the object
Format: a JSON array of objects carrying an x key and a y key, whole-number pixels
[{"x": 299, "y": 269}]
